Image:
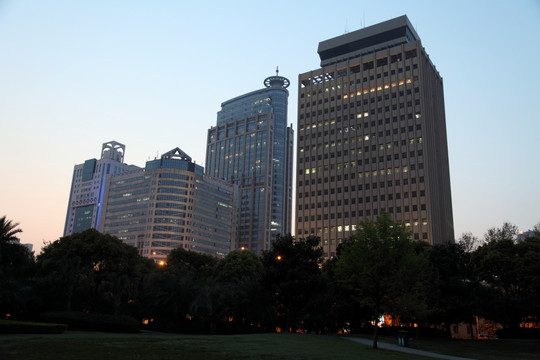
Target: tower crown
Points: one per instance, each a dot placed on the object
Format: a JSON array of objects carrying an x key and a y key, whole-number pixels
[{"x": 277, "y": 81}]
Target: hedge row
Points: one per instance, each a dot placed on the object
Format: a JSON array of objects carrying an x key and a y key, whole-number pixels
[
  {"x": 24, "y": 327},
  {"x": 93, "y": 322},
  {"x": 519, "y": 333}
]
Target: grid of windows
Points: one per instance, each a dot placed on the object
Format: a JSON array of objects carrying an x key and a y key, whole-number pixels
[
  {"x": 168, "y": 201},
  {"x": 251, "y": 146},
  {"x": 365, "y": 125}
]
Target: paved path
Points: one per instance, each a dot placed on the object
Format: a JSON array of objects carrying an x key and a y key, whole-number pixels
[{"x": 407, "y": 350}]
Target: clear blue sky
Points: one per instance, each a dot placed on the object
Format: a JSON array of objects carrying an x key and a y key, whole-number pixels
[{"x": 153, "y": 74}]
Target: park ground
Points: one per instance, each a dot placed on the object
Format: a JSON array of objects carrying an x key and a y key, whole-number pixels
[{"x": 154, "y": 346}]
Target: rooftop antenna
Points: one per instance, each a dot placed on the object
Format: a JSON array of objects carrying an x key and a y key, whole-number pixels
[
  {"x": 277, "y": 70},
  {"x": 346, "y": 25},
  {"x": 364, "y": 18}
]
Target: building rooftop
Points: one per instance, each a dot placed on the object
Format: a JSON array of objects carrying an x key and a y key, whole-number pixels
[{"x": 367, "y": 40}]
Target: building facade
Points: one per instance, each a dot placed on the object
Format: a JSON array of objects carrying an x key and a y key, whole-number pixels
[
  {"x": 88, "y": 187},
  {"x": 252, "y": 147},
  {"x": 372, "y": 138},
  {"x": 171, "y": 204}
]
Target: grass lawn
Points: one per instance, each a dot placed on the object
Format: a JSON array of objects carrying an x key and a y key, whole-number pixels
[
  {"x": 149, "y": 346},
  {"x": 482, "y": 349}
]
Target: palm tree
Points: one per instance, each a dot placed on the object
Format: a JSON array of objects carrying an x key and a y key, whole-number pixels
[{"x": 8, "y": 230}]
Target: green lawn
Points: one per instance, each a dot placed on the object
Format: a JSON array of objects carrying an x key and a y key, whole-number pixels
[
  {"x": 149, "y": 346},
  {"x": 482, "y": 349}
]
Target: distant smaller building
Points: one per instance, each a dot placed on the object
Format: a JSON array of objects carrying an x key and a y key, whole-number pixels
[
  {"x": 88, "y": 185},
  {"x": 171, "y": 204},
  {"x": 30, "y": 247},
  {"x": 522, "y": 235}
]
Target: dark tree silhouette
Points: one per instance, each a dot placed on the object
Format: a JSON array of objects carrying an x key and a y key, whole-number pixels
[
  {"x": 8, "y": 230},
  {"x": 381, "y": 267}
]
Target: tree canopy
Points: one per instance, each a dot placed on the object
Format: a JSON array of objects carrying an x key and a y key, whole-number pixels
[
  {"x": 383, "y": 270},
  {"x": 379, "y": 270},
  {"x": 8, "y": 230},
  {"x": 91, "y": 268}
]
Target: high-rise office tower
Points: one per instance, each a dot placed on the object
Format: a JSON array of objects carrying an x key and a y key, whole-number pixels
[
  {"x": 88, "y": 186},
  {"x": 372, "y": 138},
  {"x": 252, "y": 147},
  {"x": 170, "y": 204}
]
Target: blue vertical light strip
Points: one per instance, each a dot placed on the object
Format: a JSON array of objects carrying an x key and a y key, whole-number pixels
[
  {"x": 101, "y": 195},
  {"x": 66, "y": 226}
]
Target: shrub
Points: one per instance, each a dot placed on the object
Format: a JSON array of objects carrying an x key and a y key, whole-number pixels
[
  {"x": 93, "y": 322},
  {"x": 518, "y": 333},
  {"x": 26, "y": 327}
]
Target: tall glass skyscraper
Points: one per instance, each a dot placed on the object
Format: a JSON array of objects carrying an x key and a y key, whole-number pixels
[{"x": 252, "y": 147}]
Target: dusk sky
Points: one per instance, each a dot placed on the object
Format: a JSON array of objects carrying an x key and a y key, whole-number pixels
[{"x": 152, "y": 75}]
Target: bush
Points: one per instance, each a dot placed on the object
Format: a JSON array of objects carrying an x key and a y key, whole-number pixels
[
  {"x": 423, "y": 332},
  {"x": 26, "y": 327},
  {"x": 93, "y": 322},
  {"x": 519, "y": 333}
]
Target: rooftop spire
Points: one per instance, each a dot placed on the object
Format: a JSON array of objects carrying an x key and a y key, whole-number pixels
[{"x": 277, "y": 81}]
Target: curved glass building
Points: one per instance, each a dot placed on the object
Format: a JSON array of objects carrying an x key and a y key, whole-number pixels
[{"x": 252, "y": 147}]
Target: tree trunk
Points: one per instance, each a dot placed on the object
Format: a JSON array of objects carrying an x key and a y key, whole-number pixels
[
  {"x": 69, "y": 297},
  {"x": 376, "y": 333}
]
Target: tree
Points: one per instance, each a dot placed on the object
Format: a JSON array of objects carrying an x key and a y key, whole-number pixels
[
  {"x": 238, "y": 275},
  {"x": 452, "y": 297},
  {"x": 293, "y": 280},
  {"x": 239, "y": 264},
  {"x": 79, "y": 270},
  {"x": 198, "y": 266},
  {"x": 507, "y": 232},
  {"x": 167, "y": 295},
  {"x": 381, "y": 267},
  {"x": 468, "y": 242},
  {"x": 8, "y": 230},
  {"x": 536, "y": 230},
  {"x": 509, "y": 274},
  {"x": 529, "y": 274},
  {"x": 16, "y": 269}
]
